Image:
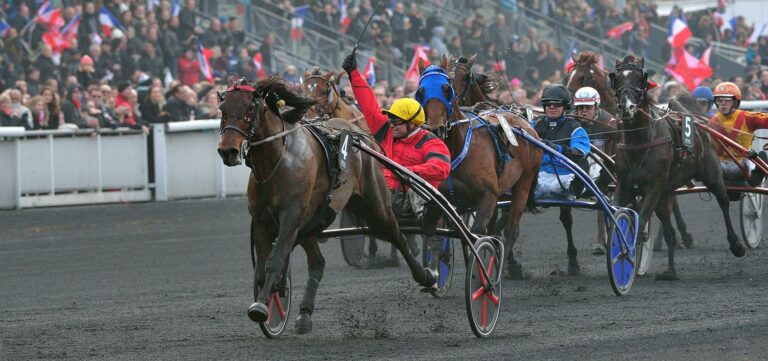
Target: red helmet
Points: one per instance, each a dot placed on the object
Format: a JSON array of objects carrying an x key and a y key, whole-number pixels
[{"x": 727, "y": 89}]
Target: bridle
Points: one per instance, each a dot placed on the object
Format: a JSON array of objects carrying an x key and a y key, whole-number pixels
[
  {"x": 247, "y": 117},
  {"x": 327, "y": 111},
  {"x": 635, "y": 92},
  {"x": 469, "y": 79}
]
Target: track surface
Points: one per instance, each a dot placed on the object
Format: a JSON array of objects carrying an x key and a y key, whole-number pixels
[{"x": 172, "y": 281}]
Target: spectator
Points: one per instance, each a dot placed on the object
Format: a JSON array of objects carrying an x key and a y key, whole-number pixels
[
  {"x": 437, "y": 41},
  {"x": 98, "y": 109},
  {"x": 187, "y": 23},
  {"x": 86, "y": 74},
  {"x": 152, "y": 107},
  {"x": 291, "y": 74},
  {"x": 209, "y": 106},
  {"x": 52, "y": 104},
  {"x": 151, "y": 62},
  {"x": 18, "y": 115},
  {"x": 89, "y": 30},
  {"x": 189, "y": 68},
  {"x": 71, "y": 105},
  {"x": 124, "y": 107},
  {"x": 176, "y": 106},
  {"x": 33, "y": 80}
]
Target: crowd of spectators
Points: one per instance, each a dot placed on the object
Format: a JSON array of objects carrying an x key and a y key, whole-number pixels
[{"x": 147, "y": 70}]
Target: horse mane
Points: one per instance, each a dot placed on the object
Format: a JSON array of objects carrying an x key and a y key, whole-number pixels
[
  {"x": 486, "y": 82},
  {"x": 274, "y": 89}
]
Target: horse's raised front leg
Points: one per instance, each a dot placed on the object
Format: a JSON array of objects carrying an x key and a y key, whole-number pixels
[
  {"x": 715, "y": 184},
  {"x": 573, "y": 263},
  {"x": 289, "y": 228},
  {"x": 315, "y": 266}
]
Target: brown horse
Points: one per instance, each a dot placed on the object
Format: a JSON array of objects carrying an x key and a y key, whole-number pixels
[
  {"x": 483, "y": 176},
  {"x": 586, "y": 72},
  {"x": 291, "y": 195},
  {"x": 471, "y": 88},
  {"x": 652, "y": 162},
  {"x": 329, "y": 103}
]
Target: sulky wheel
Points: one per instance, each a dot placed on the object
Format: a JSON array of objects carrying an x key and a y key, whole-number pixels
[
  {"x": 645, "y": 251},
  {"x": 621, "y": 256},
  {"x": 483, "y": 296},
  {"x": 279, "y": 306},
  {"x": 355, "y": 248},
  {"x": 752, "y": 218},
  {"x": 438, "y": 255}
]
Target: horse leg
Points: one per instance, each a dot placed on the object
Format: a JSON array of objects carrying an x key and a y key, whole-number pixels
[
  {"x": 602, "y": 233},
  {"x": 512, "y": 228},
  {"x": 384, "y": 225},
  {"x": 714, "y": 182},
  {"x": 663, "y": 211},
  {"x": 681, "y": 226},
  {"x": 573, "y": 263},
  {"x": 289, "y": 228},
  {"x": 263, "y": 246},
  {"x": 315, "y": 266},
  {"x": 486, "y": 208}
]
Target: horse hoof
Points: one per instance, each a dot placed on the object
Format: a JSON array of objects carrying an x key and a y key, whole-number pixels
[
  {"x": 574, "y": 269},
  {"x": 687, "y": 240},
  {"x": 431, "y": 278},
  {"x": 667, "y": 276},
  {"x": 304, "y": 323},
  {"x": 737, "y": 249},
  {"x": 258, "y": 312},
  {"x": 514, "y": 272}
]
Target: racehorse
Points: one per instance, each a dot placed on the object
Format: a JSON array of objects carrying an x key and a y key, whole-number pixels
[
  {"x": 585, "y": 71},
  {"x": 329, "y": 102},
  {"x": 471, "y": 88},
  {"x": 490, "y": 167},
  {"x": 292, "y": 195},
  {"x": 652, "y": 162}
]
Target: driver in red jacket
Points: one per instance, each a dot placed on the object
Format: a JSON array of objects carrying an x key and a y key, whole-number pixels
[{"x": 399, "y": 132}]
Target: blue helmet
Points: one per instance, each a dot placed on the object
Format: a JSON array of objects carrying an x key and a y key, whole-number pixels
[{"x": 702, "y": 92}]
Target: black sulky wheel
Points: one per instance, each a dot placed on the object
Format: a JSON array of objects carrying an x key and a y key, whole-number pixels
[
  {"x": 752, "y": 218},
  {"x": 622, "y": 257},
  {"x": 483, "y": 296},
  {"x": 438, "y": 255},
  {"x": 355, "y": 248},
  {"x": 279, "y": 306}
]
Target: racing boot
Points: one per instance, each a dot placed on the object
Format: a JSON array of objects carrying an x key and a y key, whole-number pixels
[
  {"x": 429, "y": 218},
  {"x": 757, "y": 175}
]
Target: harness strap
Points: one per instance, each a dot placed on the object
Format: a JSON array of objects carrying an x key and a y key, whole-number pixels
[{"x": 656, "y": 142}]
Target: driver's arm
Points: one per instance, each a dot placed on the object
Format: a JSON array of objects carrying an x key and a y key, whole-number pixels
[{"x": 368, "y": 103}]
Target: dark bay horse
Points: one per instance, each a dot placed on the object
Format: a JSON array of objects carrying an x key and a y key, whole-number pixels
[
  {"x": 484, "y": 175},
  {"x": 651, "y": 162},
  {"x": 329, "y": 102},
  {"x": 586, "y": 72},
  {"x": 291, "y": 197},
  {"x": 471, "y": 87}
]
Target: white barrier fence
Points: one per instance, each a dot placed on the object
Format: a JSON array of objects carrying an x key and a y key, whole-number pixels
[{"x": 53, "y": 168}]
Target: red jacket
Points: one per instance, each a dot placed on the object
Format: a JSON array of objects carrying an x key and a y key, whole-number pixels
[
  {"x": 189, "y": 71},
  {"x": 130, "y": 119},
  {"x": 422, "y": 152}
]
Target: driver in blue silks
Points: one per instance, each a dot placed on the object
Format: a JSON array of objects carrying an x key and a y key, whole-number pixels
[{"x": 563, "y": 134}]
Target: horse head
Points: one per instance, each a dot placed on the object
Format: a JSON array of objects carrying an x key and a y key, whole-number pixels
[
  {"x": 250, "y": 112},
  {"x": 322, "y": 88},
  {"x": 630, "y": 83},
  {"x": 436, "y": 96},
  {"x": 585, "y": 71}
]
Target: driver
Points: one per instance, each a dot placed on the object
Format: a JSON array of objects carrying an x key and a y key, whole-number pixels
[
  {"x": 739, "y": 126},
  {"x": 563, "y": 134},
  {"x": 402, "y": 139}
]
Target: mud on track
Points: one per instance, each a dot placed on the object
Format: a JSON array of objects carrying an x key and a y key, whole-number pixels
[{"x": 172, "y": 281}]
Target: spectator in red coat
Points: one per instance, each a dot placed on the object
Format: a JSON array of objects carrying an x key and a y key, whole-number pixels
[{"x": 189, "y": 68}]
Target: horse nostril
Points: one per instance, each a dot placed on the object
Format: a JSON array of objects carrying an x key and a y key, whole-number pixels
[{"x": 229, "y": 153}]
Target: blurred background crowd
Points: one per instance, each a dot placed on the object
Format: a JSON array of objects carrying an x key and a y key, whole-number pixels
[{"x": 102, "y": 64}]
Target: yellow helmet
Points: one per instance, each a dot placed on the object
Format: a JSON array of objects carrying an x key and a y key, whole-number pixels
[{"x": 407, "y": 109}]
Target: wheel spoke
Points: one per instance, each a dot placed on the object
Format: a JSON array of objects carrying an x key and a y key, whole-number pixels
[
  {"x": 493, "y": 298},
  {"x": 478, "y": 293},
  {"x": 485, "y": 313},
  {"x": 279, "y": 306}
]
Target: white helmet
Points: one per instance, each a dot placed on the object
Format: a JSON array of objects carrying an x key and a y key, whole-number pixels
[{"x": 586, "y": 96}]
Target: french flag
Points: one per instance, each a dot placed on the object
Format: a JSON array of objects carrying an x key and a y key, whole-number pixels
[
  {"x": 260, "y": 73},
  {"x": 420, "y": 52},
  {"x": 108, "y": 22},
  {"x": 203, "y": 55},
  {"x": 297, "y": 22},
  {"x": 49, "y": 15},
  {"x": 758, "y": 32},
  {"x": 344, "y": 19},
  {"x": 59, "y": 40},
  {"x": 687, "y": 69},
  {"x": 618, "y": 30},
  {"x": 175, "y": 7},
  {"x": 678, "y": 32},
  {"x": 370, "y": 74},
  {"x": 569, "y": 56}
]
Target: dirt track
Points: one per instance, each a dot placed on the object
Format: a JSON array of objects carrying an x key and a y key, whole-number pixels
[{"x": 159, "y": 281}]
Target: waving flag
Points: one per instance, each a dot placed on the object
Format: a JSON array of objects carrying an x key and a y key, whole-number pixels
[
  {"x": 108, "y": 22},
  {"x": 758, "y": 32},
  {"x": 49, "y": 15},
  {"x": 420, "y": 52},
  {"x": 59, "y": 40},
  {"x": 259, "y": 68},
  {"x": 370, "y": 74},
  {"x": 344, "y": 19},
  {"x": 688, "y": 70},
  {"x": 678, "y": 32},
  {"x": 175, "y": 7},
  {"x": 569, "y": 57},
  {"x": 619, "y": 30},
  {"x": 203, "y": 55}
]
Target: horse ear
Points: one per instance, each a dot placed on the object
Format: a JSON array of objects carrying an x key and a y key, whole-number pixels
[
  {"x": 642, "y": 62},
  {"x": 220, "y": 96},
  {"x": 330, "y": 76},
  {"x": 612, "y": 80},
  {"x": 472, "y": 60},
  {"x": 337, "y": 81},
  {"x": 444, "y": 63},
  {"x": 421, "y": 65},
  {"x": 231, "y": 80}
]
